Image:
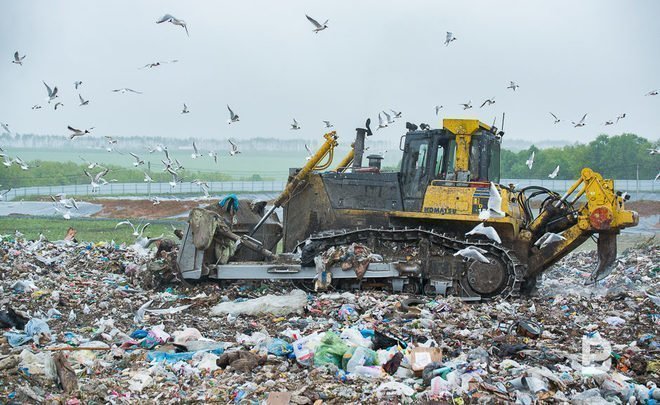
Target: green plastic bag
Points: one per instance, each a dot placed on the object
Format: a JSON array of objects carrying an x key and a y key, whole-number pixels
[{"x": 330, "y": 350}]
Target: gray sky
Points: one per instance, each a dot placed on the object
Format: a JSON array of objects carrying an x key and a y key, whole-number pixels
[{"x": 261, "y": 57}]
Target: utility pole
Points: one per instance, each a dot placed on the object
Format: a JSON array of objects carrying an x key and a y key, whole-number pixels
[
  {"x": 149, "y": 183},
  {"x": 637, "y": 181}
]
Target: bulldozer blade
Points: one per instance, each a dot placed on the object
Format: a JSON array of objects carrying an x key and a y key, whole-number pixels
[{"x": 606, "y": 257}]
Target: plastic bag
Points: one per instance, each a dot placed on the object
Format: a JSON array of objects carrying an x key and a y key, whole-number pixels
[
  {"x": 279, "y": 347},
  {"x": 305, "y": 347},
  {"x": 330, "y": 351},
  {"x": 353, "y": 337},
  {"x": 358, "y": 356},
  {"x": 295, "y": 301}
]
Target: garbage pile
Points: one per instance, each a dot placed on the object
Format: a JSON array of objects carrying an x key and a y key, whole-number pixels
[{"x": 81, "y": 325}]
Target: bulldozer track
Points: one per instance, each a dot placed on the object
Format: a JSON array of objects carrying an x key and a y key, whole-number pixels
[{"x": 515, "y": 270}]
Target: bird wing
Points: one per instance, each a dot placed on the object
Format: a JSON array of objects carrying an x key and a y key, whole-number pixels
[
  {"x": 101, "y": 174},
  {"x": 295, "y": 123},
  {"x": 167, "y": 155},
  {"x": 73, "y": 129},
  {"x": 134, "y": 155},
  {"x": 308, "y": 150},
  {"x": 231, "y": 113},
  {"x": 81, "y": 99},
  {"x": 88, "y": 174},
  {"x": 16, "y": 58},
  {"x": 484, "y": 103},
  {"x": 449, "y": 35},
  {"x": 134, "y": 91},
  {"x": 233, "y": 145},
  {"x": 166, "y": 17},
  {"x": 387, "y": 116},
  {"x": 50, "y": 91},
  {"x": 185, "y": 107},
  {"x": 185, "y": 27},
  {"x": 494, "y": 199},
  {"x": 583, "y": 118},
  {"x": 554, "y": 116},
  {"x": 313, "y": 21},
  {"x": 380, "y": 120},
  {"x": 195, "y": 148}
]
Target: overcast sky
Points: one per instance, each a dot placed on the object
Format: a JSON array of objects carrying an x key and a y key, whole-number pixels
[{"x": 570, "y": 57}]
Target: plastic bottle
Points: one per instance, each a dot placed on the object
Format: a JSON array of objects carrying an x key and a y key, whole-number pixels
[
  {"x": 304, "y": 347},
  {"x": 358, "y": 359},
  {"x": 368, "y": 371}
]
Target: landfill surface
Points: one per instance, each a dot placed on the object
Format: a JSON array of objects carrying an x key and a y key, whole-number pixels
[{"x": 103, "y": 323}]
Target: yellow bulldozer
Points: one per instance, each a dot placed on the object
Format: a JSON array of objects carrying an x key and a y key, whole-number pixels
[{"x": 414, "y": 225}]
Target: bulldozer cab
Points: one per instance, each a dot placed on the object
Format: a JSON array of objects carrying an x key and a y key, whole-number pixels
[{"x": 463, "y": 151}]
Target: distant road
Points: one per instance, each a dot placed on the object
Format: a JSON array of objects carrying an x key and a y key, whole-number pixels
[{"x": 645, "y": 188}]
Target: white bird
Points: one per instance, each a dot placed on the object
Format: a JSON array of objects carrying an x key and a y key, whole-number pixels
[
  {"x": 214, "y": 155},
  {"x": 96, "y": 179},
  {"x": 494, "y": 206},
  {"x": 52, "y": 93},
  {"x": 608, "y": 122},
  {"x": 234, "y": 148},
  {"x": 66, "y": 214},
  {"x": 489, "y": 101},
  {"x": 450, "y": 37},
  {"x": 397, "y": 114},
  {"x": 78, "y": 132},
  {"x": 137, "y": 230},
  {"x": 657, "y": 176},
  {"x": 68, "y": 203},
  {"x": 557, "y": 120},
  {"x": 512, "y": 85},
  {"x": 473, "y": 253},
  {"x": 487, "y": 231},
  {"x": 138, "y": 160},
  {"x": 77, "y": 84},
  {"x": 318, "y": 27},
  {"x": 328, "y": 124},
  {"x": 139, "y": 314},
  {"x": 72, "y": 316},
  {"x": 36, "y": 107},
  {"x": 554, "y": 172},
  {"x": 204, "y": 186},
  {"x": 90, "y": 165},
  {"x": 547, "y": 239},
  {"x": 6, "y": 160},
  {"x": 171, "y": 19},
  {"x": 185, "y": 109},
  {"x": 295, "y": 125},
  {"x": 18, "y": 59},
  {"x": 654, "y": 151},
  {"x": 82, "y": 101},
  {"x": 580, "y": 123},
  {"x": 5, "y": 127},
  {"x": 309, "y": 152},
  {"x": 232, "y": 117},
  {"x": 175, "y": 179},
  {"x": 467, "y": 105},
  {"x": 437, "y": 109},
  {"x": 126, "y": 90},
  {"x": 147, "y": 178},
  {"x": 530, "y": 161},
  {"x": 195, "y": 153},
  {"x": 381, "y": 123},
  {"x": 652, "y": 93},
  {"x": 388, "y": 118},
  {"x": 156, "y": 64},
  {"x": 620, "y": 117},
  {"x": 155, "y": 200}
]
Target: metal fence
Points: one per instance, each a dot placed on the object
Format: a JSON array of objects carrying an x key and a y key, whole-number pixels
[{"x": 634, "y": 187}]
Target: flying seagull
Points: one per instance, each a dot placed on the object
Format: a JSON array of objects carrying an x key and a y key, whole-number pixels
[
  {"x": 494, "y": 206},
  {"x": 171, "y": 19},
  {"x": 473, "y": 253},
  {"x": 652, "y": 93},
  {"x": 147, "y": 178},
  {"x": 138, "y": 160},
  {"x": 36, "y": 107},
  {"x": 620, "y": 117},
  {"x": 580, "y": 123},
  {"x": 77, "y": 84},
  {"x": 78, "y": 132},
  {"x": 437, "y": 109},
  {"x": 381, "y": 123},
  {"x": 309, "y": 152},
  {"x": 126, "y": 90},
  {"x": 5, "y": 127},
  {"x": 450, "y": 38},
  {"x": 328, "y": 124},
  {"x": 185, "y": 109},
  {"x": 554, "y": 172},
  {"x": 137, "y": 230},
  {"x": 214, "y": 155},
  {"x": 557, "y": 120},
  {"x": 489, "y": 101},
  {"x": 90, "y": 165},
  {"x": 547, "y": 239},
  {"x": 232, "y": 117},
  {"x": 158, "y": 63},
  {"x": 83, "y": 101},
  {"x": 52, "y": 93},
  {"x": 234, "y": 148},
  {"x": 467, "y": 106},
  {"x": 608, "y": 122},
  {"x": 388, "y": 118},
  {"x": 20, "y": 162},
  {"x": 18, "y": 59},
  {"x": 295, "y": 125},
  {"x": 512, "y": 85},
  {"x": 397, "y": 114},
  {"x": 96, "y": 180},
  {"x": 487, "y": 231},
  {"x": 318, "y": 27},
  {"x": 530, "y": 161},
  {"x": 196, "y": 153}
]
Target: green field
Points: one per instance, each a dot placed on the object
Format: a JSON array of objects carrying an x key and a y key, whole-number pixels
[
  {"x": 89, "y": 230},
  {"x": 268, "y": 165}
]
